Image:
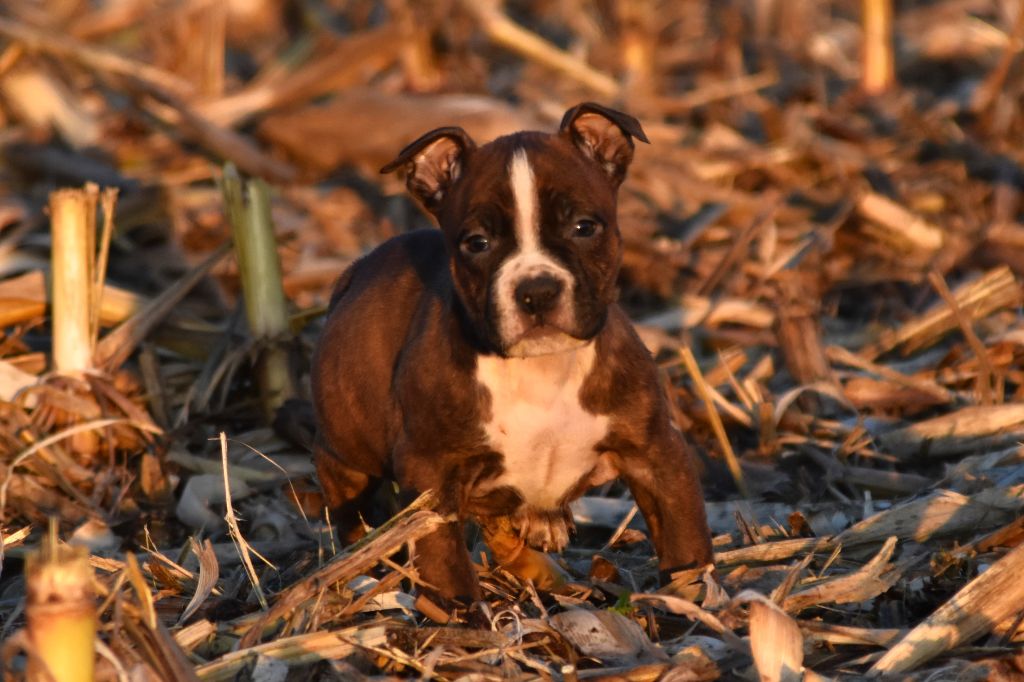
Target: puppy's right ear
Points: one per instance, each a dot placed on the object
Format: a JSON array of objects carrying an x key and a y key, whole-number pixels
[{"x": 432, "y": 164}]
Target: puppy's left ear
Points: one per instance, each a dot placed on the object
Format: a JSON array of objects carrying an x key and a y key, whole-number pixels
[{"x": 605, "y": 135}]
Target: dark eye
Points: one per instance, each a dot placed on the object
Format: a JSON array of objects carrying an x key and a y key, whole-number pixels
[
  {"x": 586, "y": 228},
  {"x": 475, "y": 243}
]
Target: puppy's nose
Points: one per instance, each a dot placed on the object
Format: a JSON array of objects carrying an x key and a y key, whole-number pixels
[{"x": 538, "y": 294}]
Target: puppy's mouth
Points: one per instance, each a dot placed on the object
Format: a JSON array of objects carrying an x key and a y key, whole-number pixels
[
  {"x": 543, "y": 339},
  {"x": 541, "y": 329}
]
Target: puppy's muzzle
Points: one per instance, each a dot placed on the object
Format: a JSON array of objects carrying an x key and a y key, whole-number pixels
[{"x": 538, "y": 295}]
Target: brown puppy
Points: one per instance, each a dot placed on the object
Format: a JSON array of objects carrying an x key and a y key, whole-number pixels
[{"x": 488, "y": 361}]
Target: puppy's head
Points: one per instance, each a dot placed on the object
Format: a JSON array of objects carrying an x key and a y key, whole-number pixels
[{"x": 530, "y": 223}]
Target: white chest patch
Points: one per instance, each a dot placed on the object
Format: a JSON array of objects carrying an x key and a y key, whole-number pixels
[{"x": 538, "y": 423}]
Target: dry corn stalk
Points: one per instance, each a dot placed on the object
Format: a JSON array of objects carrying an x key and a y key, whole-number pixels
[
  {"x": 897, "y": 226},
  {"x": 296, "y": 650},
  {"x": 996, "y": 289},
  {"x": 992, "y": 597},
  {"x": 78, "y": 270},
  {"x": 412, "y": 523},
  {"x": 941, "y": 513},
  {"x": 260, "y": 271},
  {"x": 690, "y": 362},
  {"x": 60, "y": 613},
  {"x": 974, "y": 428},
  {"x": 511, "y": 35},
  {"x": 878, "y": 74},
  {"x": 73, "y": 230},
  {"x": 871, "y": 580}
]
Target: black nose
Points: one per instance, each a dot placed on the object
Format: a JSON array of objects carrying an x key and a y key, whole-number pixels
[{"x": 538, "y": 294}]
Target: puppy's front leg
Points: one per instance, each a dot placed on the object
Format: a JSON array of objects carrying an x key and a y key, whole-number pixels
[
  {"x": 441, "y": 558},
  {"x": 666, "y": 488}
]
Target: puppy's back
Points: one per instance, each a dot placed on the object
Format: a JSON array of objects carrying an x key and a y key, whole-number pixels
[{"x": 374, "y": 303}]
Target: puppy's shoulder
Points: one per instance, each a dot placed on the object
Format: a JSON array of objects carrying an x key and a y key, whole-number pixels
[
  {"x": 624, "y": 376},
  {"x": 419, "y": 257}
]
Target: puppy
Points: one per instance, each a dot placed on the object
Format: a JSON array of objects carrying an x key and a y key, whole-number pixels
[{"x": 488, "y": 360}]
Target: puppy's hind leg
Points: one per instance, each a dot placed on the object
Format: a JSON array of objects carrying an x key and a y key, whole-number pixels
[{"x": 348, "y": 493}]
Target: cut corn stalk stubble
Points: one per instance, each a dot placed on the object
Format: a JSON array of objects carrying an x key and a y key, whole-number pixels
[
  {"x": 248, "y": 208},
  {"x": 60, "y": 613}
]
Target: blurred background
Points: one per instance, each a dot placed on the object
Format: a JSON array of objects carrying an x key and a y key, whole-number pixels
[{"x": 766, "y": 112}]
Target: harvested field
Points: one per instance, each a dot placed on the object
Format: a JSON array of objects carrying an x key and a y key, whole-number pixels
[{"x": 824, "y": 249}]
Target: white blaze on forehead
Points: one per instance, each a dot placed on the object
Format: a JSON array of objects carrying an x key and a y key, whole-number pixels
[
  {"x": 530, "y": 259},
  {"x": 524, "y": 193}
]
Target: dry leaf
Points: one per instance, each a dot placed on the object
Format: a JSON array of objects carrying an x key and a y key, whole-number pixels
[
  {"x": 775, "y": 640},
  {"x": 209, "y": 572},
  {"x": 200, "y": 493},
  {"x": 608, "y": 636},
  {"x": 13, "y": 380}
]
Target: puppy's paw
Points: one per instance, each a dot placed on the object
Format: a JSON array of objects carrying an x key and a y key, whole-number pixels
[
  {"x": 547, "y": 531},
  {"x": 442, "y": 610},
  {"x": 510, "y": 551}
]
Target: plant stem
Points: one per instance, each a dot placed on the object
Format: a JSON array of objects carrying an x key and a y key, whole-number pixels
[
  {"x": 878, "y": 73},
  {"x": 260, "y": 273},
  {"x": 60, "y": 613},
  {"x": 73, "y": 232}
]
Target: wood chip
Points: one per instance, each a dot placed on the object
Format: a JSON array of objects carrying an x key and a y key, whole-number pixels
[{"x": 900, "y": 226}]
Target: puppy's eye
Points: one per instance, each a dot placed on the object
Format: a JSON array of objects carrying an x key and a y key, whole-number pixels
[
  {"x": 586, "y": 228},
  {"x": 475, "y": 243}
]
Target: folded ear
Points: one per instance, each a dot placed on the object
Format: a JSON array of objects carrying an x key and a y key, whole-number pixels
[
  {"x": 432, "y": 164},
  {"x": 605, "y": 135}
]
